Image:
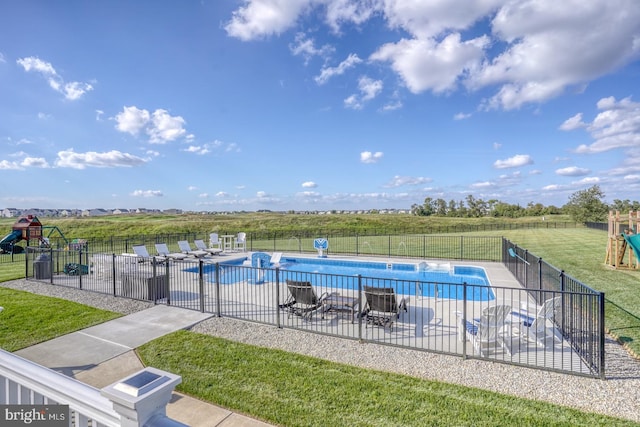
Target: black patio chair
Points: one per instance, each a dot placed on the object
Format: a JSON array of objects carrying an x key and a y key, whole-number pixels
[
  {"x": 303, "y": 300},
  {"x": 382, "y": 307}
]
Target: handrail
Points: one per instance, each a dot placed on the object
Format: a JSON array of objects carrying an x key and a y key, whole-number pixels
[{"x": 82, "y": 398}]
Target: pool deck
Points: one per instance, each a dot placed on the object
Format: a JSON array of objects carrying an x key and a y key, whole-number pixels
[{"x": 430, "y": 323}]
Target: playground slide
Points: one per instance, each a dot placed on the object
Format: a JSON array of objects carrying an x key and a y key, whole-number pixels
[
  {"x": 634, "y": 241},
  {"x": 10, "y": 239}
]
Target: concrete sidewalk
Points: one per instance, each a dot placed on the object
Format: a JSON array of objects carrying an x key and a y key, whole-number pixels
[{"x": 103, "y": 354}]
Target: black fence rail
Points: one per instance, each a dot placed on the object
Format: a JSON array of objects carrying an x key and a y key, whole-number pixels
[
  {"x": 583, "y": 314},
  {"x": 259, "y": 240},
  {"x": 546, "y": 324}
]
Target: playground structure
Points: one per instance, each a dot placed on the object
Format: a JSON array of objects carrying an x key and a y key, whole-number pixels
[
  {"x": 623, "y": 243},
  {"x": 28, "y": 228}
]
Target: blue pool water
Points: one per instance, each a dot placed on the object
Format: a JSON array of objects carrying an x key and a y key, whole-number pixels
[{"x": 424, "y": 279}]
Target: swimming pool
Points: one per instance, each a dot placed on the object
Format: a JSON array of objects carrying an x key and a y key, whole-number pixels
[{"x": 420, "y": 279}]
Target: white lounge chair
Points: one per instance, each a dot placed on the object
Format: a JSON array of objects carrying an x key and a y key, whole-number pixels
[
  {"x": 185, "y": 247},
  {"x": 486, "y": 333},
  {"x": 201, "y": 246},
  {"x": 142, "y": 252},
  {"x": 537, "y": 321},
  {"x": 215, "y": 242},
  {"x": 240, "y": 242},
  {"x": 163, "y": 250},
  {"x": 275, "y": 259}
]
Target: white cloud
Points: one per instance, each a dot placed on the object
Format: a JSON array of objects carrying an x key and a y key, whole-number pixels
[
  {"x": 399, "y": 181},
  {"x": 260, "y": 18},
  {"x": 165, "y": 127},
  {"x": 35, "y": 162},
  {"x": 305, "y": 47},
  {"x": 309, "y": 184},
  {"x": 147, "y": 193},
  {"x": 616, "y": 126},
  {"x": 369, "y": 89},
  {"x": 426, "y": 64},
  {"x": 2, "y": 58},
  {"x": 572, "y": 123},
  {"x": 461, "y": 116},
  {"x": 132, "y": 120},
  {"x": 110, "y": 159},
  {"x": 327, "y": 72},
  {"x": 542, "y": 38},
  {"x": 588, "y": 181},
  {"x": 159, "y": 125},
  {"x": 573, "y": 171},
  {"x": 192, "y": 188},
  {"x": 70, "y": 90},
  {"x": 369, "y": 157},
  {"x": 513, "y": 162},
  {"x": 536, "y": 50},
  {"x": 7, "y": 165},
  {"x": 203, "y": 196}
]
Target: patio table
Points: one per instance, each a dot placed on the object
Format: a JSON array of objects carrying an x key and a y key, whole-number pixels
[{"x": 340, "y": 304}]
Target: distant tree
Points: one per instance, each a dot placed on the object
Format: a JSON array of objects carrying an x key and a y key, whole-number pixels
[
  {"x": 587, "y": 205},
  {"x": 625, "y": 205},
  {"x": 441, "y": 207},
  {"x": 417, "y": 210}
]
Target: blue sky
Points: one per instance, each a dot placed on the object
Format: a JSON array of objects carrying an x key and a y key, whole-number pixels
[{"x": 316, "y": 104}]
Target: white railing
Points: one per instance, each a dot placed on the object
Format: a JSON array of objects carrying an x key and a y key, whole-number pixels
[{"x": 23, "y": 382}]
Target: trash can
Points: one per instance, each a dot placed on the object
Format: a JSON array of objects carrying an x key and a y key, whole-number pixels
[{"x": 42, "y": 267}]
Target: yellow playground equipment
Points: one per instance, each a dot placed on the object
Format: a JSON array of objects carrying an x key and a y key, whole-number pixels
[{"x": 623, "y": 244}]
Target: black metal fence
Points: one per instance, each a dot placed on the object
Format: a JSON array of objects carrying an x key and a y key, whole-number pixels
[
  {"x": 438, "y": 315},
  {"x": 583, "y": 316}
]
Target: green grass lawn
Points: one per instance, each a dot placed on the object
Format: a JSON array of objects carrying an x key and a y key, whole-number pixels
[
  {"x": 581, "y": 254},
  {"x": 29, "y": 319},
  {"x": 294, "y": 390}
]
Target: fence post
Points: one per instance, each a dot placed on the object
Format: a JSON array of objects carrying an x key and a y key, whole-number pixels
[
  {"x": 562, "y": 279},
  {"x": 360, "y": 307},
  {"x": 461, "y": 247},
  {"x": 201, "y": 283},
  {"x": 168, "y": 276},
  {"x": 278, "y": 324},
  {"x": 526, "y": 269},
  {"x": 601, "y": 332},
  {"x": 80, "y": 267},
  {"x": 540, "y": 273},
  {"x": 141, "y": 399},
  {"x": 462, "y": 334},
  {"x": 113, "y": 272},
  {"x": 217, "y": 289}
]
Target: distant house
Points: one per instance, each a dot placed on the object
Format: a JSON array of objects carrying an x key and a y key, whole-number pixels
[
  {"x": 10, "y": 212},
  {"x": 95, "y": 212},
  {"x": 172, "y": 211},
  {"x": 120, "y": 211}
]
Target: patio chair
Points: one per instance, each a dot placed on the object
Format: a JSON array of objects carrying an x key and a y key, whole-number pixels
[
  {"x": 185, "y": 247},
  {"x": 536, "y": 322},
  {"x": 381, "y": 307},
  {"x": 202, "y": 246},
  {"x": 275, "y": 259},
  {"x": 486, "y": 333},
  {"x": 303, "y": 300},
  {"x": 241, "y": 242},
  {"x": 215, "y": 242},
  {"x": 163, "y": 250},
  {"x": 142, "y": 253}
]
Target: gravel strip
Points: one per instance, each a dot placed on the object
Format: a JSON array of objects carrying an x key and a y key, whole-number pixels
[{"x": 618, "y": 395}]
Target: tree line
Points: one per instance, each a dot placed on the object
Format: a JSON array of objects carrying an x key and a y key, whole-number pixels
[{"x": 583, "y": 206}]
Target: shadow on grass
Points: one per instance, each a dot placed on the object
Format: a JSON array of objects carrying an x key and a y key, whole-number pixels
[{"x": 626, "y": 339}]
